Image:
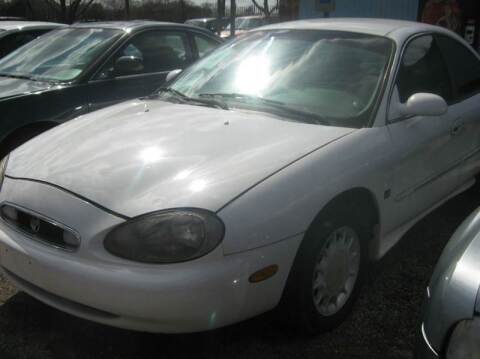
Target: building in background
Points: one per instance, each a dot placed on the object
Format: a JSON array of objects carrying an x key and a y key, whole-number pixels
[
  {"x": 392, "y": 9},
  {"x": 461, "y": 16}
]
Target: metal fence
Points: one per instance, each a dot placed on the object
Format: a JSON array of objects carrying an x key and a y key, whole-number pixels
[
  {"x": 166, "y": 10},
  {"x": 180, "y": 10}
]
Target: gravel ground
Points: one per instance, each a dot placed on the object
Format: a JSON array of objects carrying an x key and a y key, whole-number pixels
[{"x": 383, "y": 324}]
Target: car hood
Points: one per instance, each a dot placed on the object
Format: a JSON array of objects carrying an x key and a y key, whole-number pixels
[
  {"x": 12, "y": 87},
  {"x": 146, "y": 155}
]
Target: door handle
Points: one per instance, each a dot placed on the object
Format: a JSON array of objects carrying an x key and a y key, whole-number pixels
[{"x": 456, "y": 129}]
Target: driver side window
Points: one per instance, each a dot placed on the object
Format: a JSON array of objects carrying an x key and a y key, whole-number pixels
[
  {"x": 159, "y": 51},
  {"x": 423, "y": 69}
]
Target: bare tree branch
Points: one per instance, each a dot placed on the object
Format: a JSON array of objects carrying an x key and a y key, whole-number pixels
[
  {"x": 85, "y": 8},
  {"x": 71, "y": 10},
  {"x": 53, "y": 4},
  {"x": 258, "y": 6}
]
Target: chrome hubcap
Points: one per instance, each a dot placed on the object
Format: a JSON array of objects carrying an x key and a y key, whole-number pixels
[{"x": 336, "y": 271}]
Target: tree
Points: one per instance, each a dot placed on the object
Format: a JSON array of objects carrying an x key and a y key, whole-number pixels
[
  {"x": 127, "y": 9},
  {"x": 71, "y": 11},
  {"x": 265, "y": 8}
]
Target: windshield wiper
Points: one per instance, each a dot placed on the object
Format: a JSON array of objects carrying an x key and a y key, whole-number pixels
[
  {"x": 280, "y": 107},
  {"x": 13, "y": 76},
  {"x": 171, "y": 91},
  {"x": 192, "y": 100}
]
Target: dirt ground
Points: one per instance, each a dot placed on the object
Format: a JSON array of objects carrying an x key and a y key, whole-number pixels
[{"x": 384, "y": 322}]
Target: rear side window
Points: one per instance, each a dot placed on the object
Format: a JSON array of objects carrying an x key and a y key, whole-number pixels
[
  {"x": 423, "y": 69},
  {"x": 204, "y": 45},
  {"x": 159, "y": 51},
  {"x": 464, "y": 66}
]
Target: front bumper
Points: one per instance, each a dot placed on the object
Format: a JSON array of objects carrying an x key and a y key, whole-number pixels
[{"x": 203, "y": 294}]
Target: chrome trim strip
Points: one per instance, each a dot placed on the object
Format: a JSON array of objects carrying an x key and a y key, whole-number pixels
[
  {"x": 46, "y": 219},
  {"x": 424, "y": 335},
  {"x": 89, "y": 201}
]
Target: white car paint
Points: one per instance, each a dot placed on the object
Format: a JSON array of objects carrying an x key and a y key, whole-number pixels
[
  {"x": 166, "y": 154},
  {"x": 266, "y": 179}
]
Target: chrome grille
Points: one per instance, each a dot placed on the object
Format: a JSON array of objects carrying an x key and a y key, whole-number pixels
[{"x": 40, "y": 228}]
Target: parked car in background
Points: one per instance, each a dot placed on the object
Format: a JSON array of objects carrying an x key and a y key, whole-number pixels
[
  {"x": 451, "y": 320},
  {"x": 210, "y": 23},
  {"x": 246, "y": 23},
  {"x": 84, "y": 67},
  {"x": 14, "y": 34},
  {"x": 271, "y": 171}
]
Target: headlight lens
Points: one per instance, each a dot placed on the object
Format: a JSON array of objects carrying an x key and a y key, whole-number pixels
[
  {"x": 3, "y": 168},
  {"x": 464, "y": 341},
  {"x": 166, "y": 236}
]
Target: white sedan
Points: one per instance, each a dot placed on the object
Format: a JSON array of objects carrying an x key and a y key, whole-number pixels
[{"x": 270, "y": 172}]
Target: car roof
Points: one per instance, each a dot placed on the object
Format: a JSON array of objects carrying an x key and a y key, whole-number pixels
[
  {"x": 129, "y": 25},
  {"x": 202, "y": 19},
  {"x": 20, "y": 25},
  {"x": 380, "y": 27},
  {"x": 252, "y": 17}
]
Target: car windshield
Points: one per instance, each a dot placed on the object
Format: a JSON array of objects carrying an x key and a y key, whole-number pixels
[
  {"x": 248, "y": 23},
  {"x": 60, "y": 55},
  {"x": 303, "y": 74}
]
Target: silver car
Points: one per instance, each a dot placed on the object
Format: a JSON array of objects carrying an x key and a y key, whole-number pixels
[{"x": 451, "y": 319}]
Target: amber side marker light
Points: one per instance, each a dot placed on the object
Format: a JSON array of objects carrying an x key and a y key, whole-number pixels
[{"x": 263, "y": 274}]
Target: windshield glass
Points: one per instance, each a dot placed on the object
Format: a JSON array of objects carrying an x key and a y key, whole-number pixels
[
  {"x": 60, "y": 55},
  {"x": 328, "y": 74},
  {"x": 248, "y": 23}
]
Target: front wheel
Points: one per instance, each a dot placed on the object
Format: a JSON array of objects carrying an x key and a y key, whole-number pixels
[
  {"x": 336, "y": 270},
  {"x": 327, "y": 274}
]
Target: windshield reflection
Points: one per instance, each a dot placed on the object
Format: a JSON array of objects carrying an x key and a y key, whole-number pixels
[
  {"x": 331, "y": 74},
  {"x": 60, "y": 55}
]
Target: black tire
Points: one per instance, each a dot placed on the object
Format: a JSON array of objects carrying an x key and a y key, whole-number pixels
[{"x": 297, "y": 302}]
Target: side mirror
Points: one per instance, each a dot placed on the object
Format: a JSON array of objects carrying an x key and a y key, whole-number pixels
[
  {"x": 128, "y": 65},
  {"x": 424, "y": 104},
  {"x": 172, "y": 74}
]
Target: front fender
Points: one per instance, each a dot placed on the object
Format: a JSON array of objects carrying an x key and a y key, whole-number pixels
[
  {"x": 455, "y": 281},
  {"x": 286, "y": 203},
  {"x": 54, "y": 105}
]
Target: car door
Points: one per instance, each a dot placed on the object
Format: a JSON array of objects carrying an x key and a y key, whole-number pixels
[
  {"x": 464, "y": 68},
  {"x": 159, "y": 51},
  {"x": 420, "y": 176}
]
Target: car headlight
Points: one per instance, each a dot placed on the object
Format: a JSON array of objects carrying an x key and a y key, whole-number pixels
[
  {"x": 167, "y": 236},
  {"x": 464, "y": 341},
  {"x": 3, "y": 168}
]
